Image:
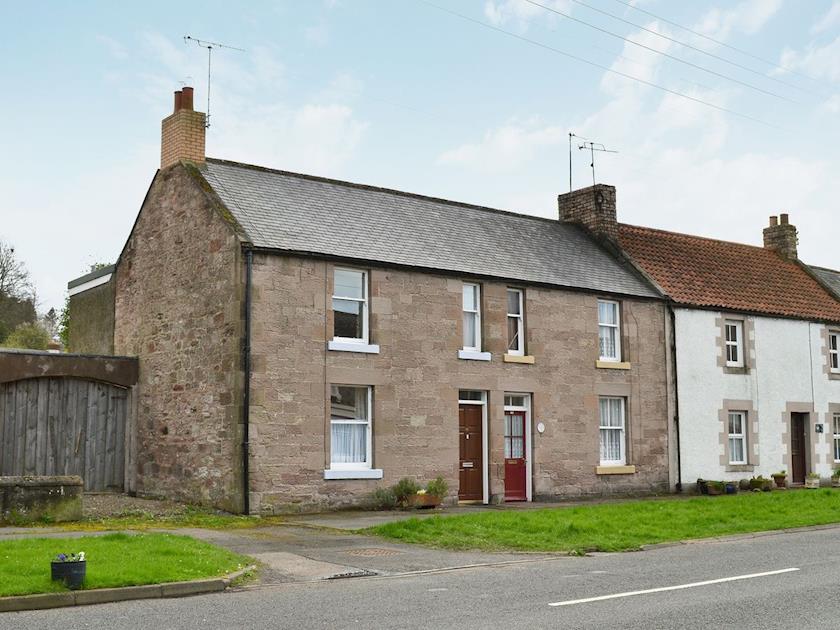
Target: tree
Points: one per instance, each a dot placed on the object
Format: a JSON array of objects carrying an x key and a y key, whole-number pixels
[
  {"x": 64, "y": 325},
  {"x": 17, "y": 296},
  {"x": 50, "y": 322},
  {"x": 14, "y": 277},
  {"x": 28, "y": 337}
]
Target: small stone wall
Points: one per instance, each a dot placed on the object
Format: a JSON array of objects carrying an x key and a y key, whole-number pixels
[{"x": 28, "y": 499}]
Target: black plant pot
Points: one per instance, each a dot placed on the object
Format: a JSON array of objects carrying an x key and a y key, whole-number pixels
[{"x": 71, "y": 573}]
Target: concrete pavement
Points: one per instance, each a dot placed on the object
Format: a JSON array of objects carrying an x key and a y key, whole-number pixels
[{"x": 520, "y": 594}]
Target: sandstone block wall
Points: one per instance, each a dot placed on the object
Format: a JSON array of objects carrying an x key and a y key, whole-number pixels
[
  {"x": 416, "y": 320},
  {"x": 178, "y": 308}
]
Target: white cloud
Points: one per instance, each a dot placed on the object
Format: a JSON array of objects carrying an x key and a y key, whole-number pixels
[
  {"x": 318, "y": 35},
  {"x": 829, "y": 20},
  {"x": 832, "y": 105},
  {"x": 521, "y": 13},
  {"x": 506, "y": 148},
  {"x": 115, "y": 49},
  {"x": 820, "y": 62},
  {"x": 747, "y": 17}
]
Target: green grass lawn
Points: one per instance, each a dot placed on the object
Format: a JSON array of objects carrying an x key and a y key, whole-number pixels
[
  {"x": 620, "y": 526},
  {"x": 113, "y": 560}
]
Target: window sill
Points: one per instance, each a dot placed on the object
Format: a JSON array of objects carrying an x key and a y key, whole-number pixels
[
  {"x": 366, "y": 473},
  {"x": 615, "y": 470},
  {"x": 612, "y": 365},
  {"x": 518, "y": 358},
  {"x": 735, "y": 369},
  {"x": 740, "y": 468},
  {"x": 473, "y": 355},
  {"x": 349, "y": 346}
]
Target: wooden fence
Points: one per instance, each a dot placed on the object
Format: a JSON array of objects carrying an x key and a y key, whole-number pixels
[{"x": 65, "y": 423}]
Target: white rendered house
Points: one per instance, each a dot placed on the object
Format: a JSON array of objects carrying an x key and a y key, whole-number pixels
[{"x": 757, "y": 336}]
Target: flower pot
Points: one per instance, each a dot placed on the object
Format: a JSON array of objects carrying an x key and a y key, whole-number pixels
[
  {"x": 423, "y": 501},
  {"x": 71, "y": 573},
  {"x": 812, "y": 482},
  {"x": 780, "y": 481},
  {"x": 715, "y": 489},
  {"x": 702, "y": 486},
  {"x": 731, "y": 487},
  {"x": 835, "y": 482}
]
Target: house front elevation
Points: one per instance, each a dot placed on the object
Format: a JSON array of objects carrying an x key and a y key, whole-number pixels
[
  {"x": 304, "y": 341},
  {"x": 758, "y": 377}
]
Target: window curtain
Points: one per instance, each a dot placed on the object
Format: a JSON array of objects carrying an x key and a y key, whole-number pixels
[{"x": 349, "y": 443}]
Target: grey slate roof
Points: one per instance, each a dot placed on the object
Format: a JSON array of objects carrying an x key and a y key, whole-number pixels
[
  {"x": 300, "y": 213},
  {"x": 829, "y": 277}
]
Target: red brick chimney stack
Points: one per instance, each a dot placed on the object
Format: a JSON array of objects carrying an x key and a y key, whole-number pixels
[
  {"x": 781, "y": 236},
  {"x": 183, "y": 132}
]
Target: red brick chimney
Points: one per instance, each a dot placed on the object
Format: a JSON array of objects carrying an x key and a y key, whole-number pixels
[
  {"x": 781, "y": 236},
  {"x": 594, "y": 208},
  {"x": 182, "y": 133}
]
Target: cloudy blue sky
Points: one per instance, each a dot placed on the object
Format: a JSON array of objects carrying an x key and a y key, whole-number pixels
[{"x": 408, "y": 95}]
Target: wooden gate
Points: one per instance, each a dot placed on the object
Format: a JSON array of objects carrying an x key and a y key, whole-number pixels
[
  {"x": 64, "y": 426},
  {"x": 68, "y": 414}
]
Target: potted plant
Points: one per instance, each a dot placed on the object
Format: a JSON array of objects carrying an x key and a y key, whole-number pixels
[
  {"x": 70, "y": 569},
  {"x": 812, "y": 480},
  {"x": 835, "y": 478},
  {"x": 731, "y": 487},
  {"x": 715, "y": 487},
  {"x": 780, "y": 478},
  {"x": 702, "y": 486},
  {"x": 432, "y": 495}
]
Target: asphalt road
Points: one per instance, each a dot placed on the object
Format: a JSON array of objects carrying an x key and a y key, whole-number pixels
[{"x": 783, "y": 581}]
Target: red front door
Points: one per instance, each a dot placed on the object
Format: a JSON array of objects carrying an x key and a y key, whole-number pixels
[{"x": 515, "y": 469}]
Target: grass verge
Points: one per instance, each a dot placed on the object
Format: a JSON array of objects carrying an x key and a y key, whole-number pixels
[
  {"x": 619, "y": 527},
  {"x": 113, "y": 560},
  {"x": 143, "y": 520}
]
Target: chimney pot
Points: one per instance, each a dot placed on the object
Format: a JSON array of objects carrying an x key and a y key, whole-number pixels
[
  {"x": 774, "y": 220},
  {"x": 783, "y": 218},
  {"x": 178, "y": 101},
  {"x": 781, "y": 237},
  {"x": 187, "y": 98}
]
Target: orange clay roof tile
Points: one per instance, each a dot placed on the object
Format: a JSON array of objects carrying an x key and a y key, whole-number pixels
[{"x": 709, "y": 273}]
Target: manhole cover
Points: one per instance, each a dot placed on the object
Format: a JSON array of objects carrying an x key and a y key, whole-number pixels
[{"x": 372, "y": 552}]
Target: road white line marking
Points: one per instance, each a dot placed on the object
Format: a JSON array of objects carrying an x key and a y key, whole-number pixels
[{"x": 672, "y": 588}]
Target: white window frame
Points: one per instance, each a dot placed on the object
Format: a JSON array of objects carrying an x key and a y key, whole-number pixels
[
  {"x": 616, "y": 326},
  {"x": 742, "y": 436},
  {"x": 738, "y": 344},
  {"x": 527, "y": 409},
  {"x": 519, "y": 351},
  {"x": 836, "y": 429},
  {"x": 834, "y": 354},
  {"x": 364, "y": 300},
  {"x": 622, "y": 461},
  {"x": 368, "y": 463},
  {"x": 476, "y": 347}
]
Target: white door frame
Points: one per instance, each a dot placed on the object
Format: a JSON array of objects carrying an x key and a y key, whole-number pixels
[
  {"x": 485, "y": 465},
  {"x": 527, "y": 409}
]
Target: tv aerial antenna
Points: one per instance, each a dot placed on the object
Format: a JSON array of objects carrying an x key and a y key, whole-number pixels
[
  {"x": 592, "y": 147},
  {"x": 209, "y": 46}
]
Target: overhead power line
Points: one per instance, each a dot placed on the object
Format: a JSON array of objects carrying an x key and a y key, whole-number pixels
[
  {"x": 659, "y": 52},
  {"x": 694, "y": 48},
  {"x": 594, "y": 64},
  {"x": 716, "y": 41}
]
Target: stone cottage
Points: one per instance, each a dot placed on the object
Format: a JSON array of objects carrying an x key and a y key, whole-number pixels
[{"x": 303, "y": 341}]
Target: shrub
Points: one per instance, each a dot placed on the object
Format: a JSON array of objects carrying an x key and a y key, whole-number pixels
[
  {"x": 404, "y": 488},
  {"x": 28, "y": 337},
  {"x": 383, "y": 499},
  {"x": 437, "y": 487}
]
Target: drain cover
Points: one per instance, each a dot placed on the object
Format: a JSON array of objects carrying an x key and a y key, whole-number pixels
[
  {"x": 371, "y": 552},
  {"x": 352, "y": 574}
]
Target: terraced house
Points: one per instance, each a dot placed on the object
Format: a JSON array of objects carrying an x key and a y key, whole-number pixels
[
  {"x": 757, "y": 337},
  {"x": 303, "y": 341}
]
